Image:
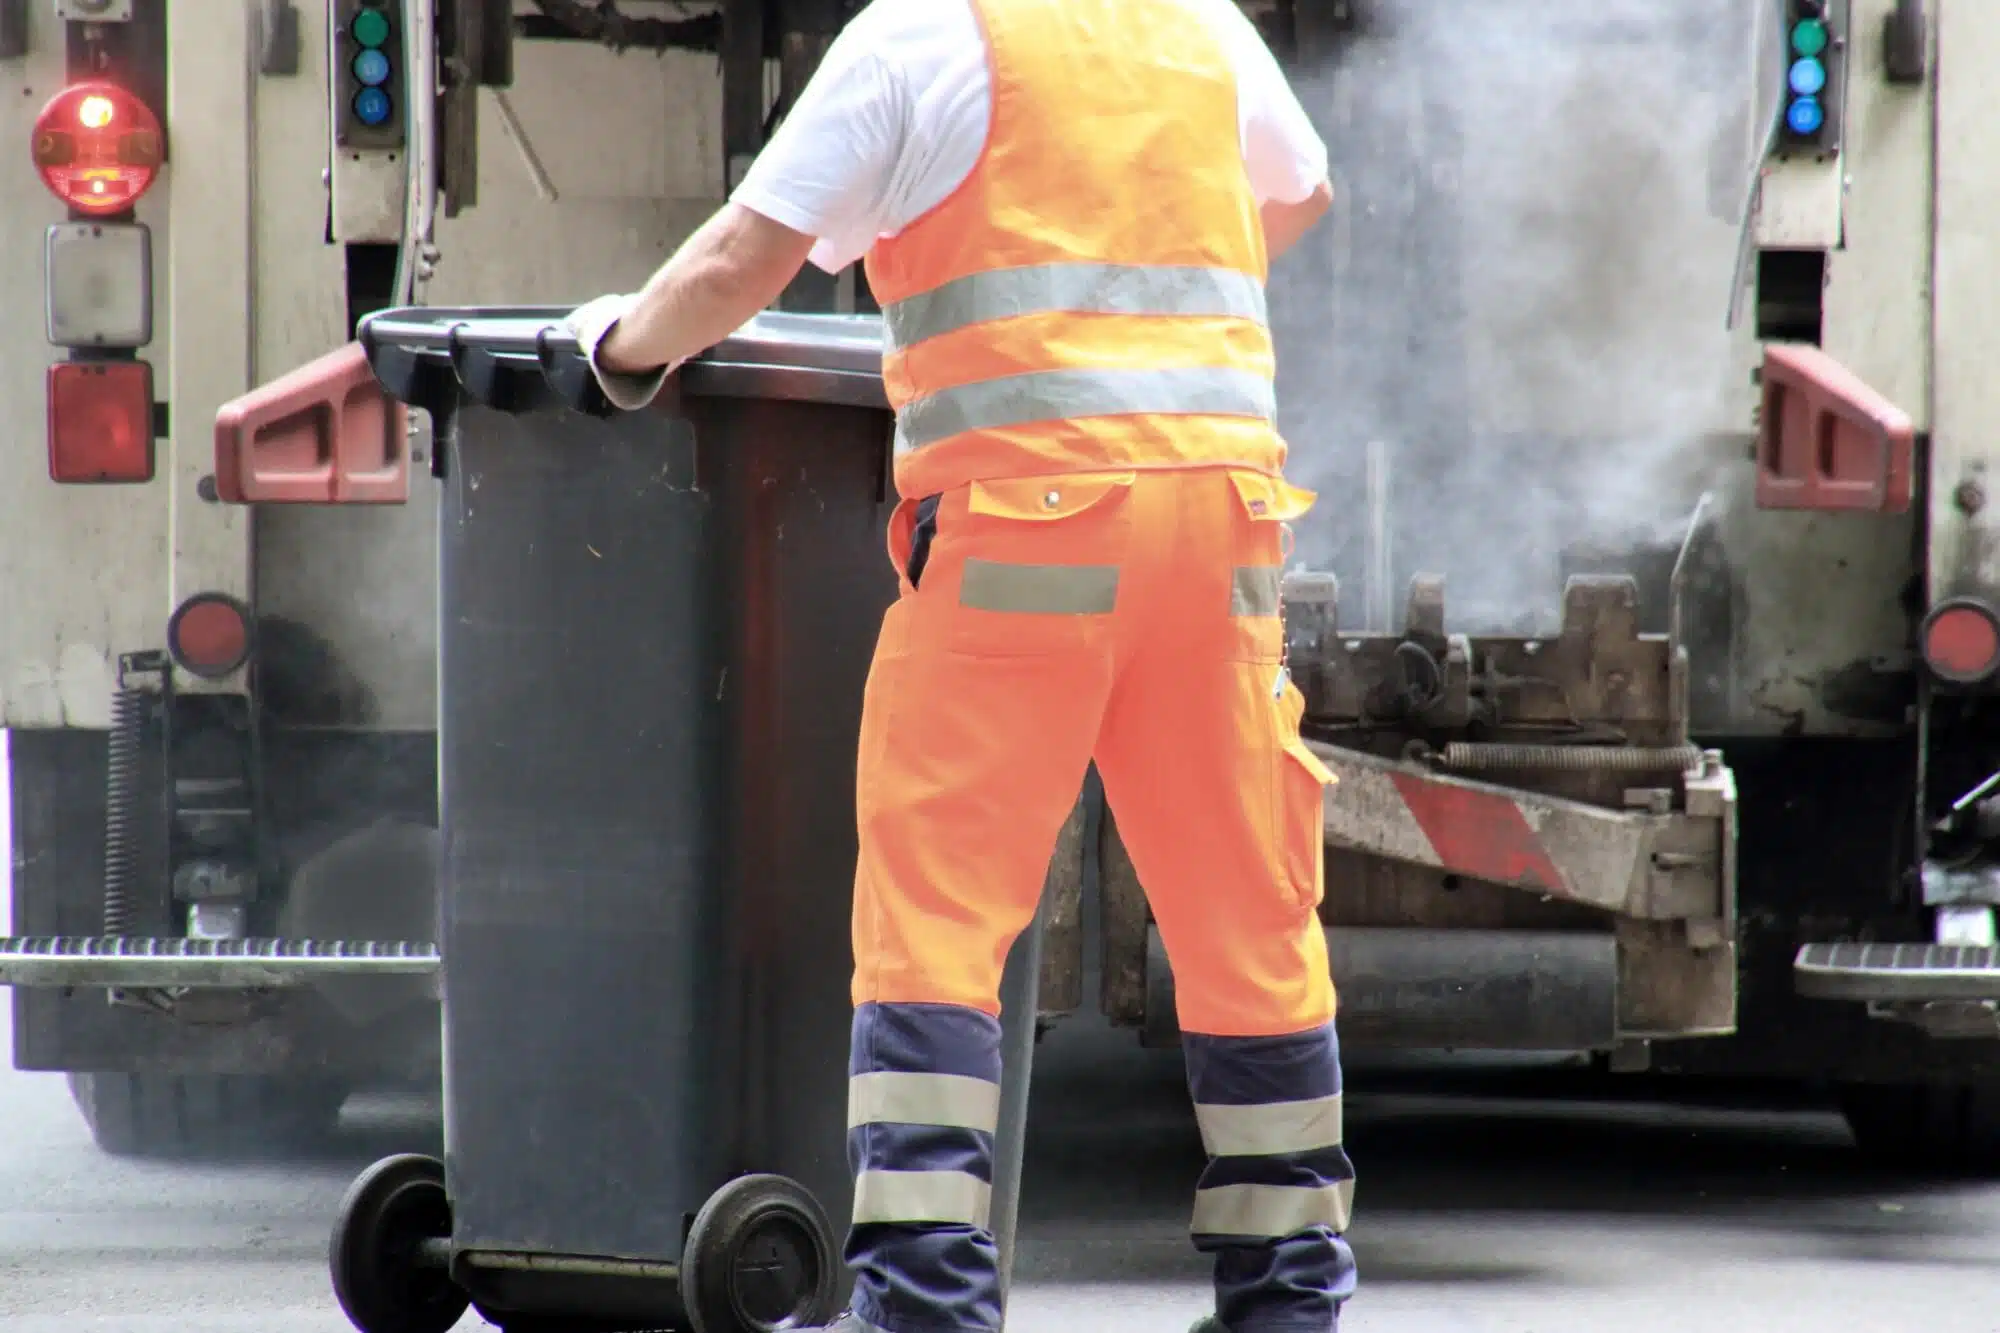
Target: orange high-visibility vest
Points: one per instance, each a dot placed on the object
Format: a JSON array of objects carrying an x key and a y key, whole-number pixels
[{"x": 1092, "y": 297}]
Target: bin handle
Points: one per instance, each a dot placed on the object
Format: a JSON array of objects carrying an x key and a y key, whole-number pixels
[
  {"x": 568, "y": 372},
  {"x": 488, "y": 355},
  {"x": 438, "y": 332}
]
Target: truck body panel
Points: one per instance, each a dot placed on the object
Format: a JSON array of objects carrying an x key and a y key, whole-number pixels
[
  {"x": 1648, "y": 443},
  {"x": 1962, "y": 285}
]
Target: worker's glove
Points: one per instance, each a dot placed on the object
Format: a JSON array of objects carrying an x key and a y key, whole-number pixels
[{"x": 589, "y": 323}]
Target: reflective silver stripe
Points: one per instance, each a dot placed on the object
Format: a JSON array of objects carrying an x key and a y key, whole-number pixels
[
  {"x": 1264, "y": 1131},
  {"x": 923, "y": 1099},
  {"x": 1064, "y": 395},
  {"x": 921, "y": 1196},
  {"x": 1050, "y": 590},
  {"x": 1096, "y": 289},
  {"x": 1254, "y": 591},
  {"x": 1271, "y": 1211}
]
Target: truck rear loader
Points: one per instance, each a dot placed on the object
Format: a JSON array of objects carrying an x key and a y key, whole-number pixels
[{"x": 1647, "y": 615}]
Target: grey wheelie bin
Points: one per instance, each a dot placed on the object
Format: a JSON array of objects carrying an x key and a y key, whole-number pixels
[{"x": 654, "y": 629}]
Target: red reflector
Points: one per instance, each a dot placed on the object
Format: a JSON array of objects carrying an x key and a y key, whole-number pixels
[
  {"x": 1828, "y": 441},
  {"x": 1961, "y": 641},
  {"x": 324, "y": 434},
  {"x": 209, "y": 635},
  {"x": 100, "y": 421},
  {"x": 97, "y": 147}
]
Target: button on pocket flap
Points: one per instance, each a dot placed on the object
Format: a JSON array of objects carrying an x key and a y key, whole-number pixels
[
  {"x": 1271, "y": 499},
  {"x": 1042, "y": 499}
]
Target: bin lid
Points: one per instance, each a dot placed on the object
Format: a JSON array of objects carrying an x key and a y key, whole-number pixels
[{"x": 516, "y": 358}]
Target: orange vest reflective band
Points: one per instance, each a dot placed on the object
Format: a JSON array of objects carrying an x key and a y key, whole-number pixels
[{"x": 1093, "y": 295}]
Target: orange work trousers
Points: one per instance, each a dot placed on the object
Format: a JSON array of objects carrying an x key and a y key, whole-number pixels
[{"x": 1128, "y": 617}]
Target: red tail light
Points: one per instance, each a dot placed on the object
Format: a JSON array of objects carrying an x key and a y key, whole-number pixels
[
  {"x": 100, "y": 421},
  {"x": 98, "y": 148},
  {"x": 208, "y": 635},
  {"x": 1961, "y": 641}
]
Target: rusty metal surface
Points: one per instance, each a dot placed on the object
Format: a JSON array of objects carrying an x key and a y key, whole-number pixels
[
  {"x": 1599, "y": 675},
  {"x": 1667, "y": 986},
  {"x": 1123, "y": 917},
  {"x": 1458, "y": 861},
  {"x": 1606, "y": 820},
  {"x": 1640, "y": 864},
  {"x": 1365, "y": 890},
  {"x": 1463, "y": 989},
  {"x": 1062, "y": 929}
]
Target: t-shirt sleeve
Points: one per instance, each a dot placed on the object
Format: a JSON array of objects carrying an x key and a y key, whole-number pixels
[
  {"x": 1285, "y": 156},
  {"x": 826, "y": 172}
]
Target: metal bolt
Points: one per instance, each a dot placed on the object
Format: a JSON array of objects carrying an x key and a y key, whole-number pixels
[{"x": 1970, "y": 497}]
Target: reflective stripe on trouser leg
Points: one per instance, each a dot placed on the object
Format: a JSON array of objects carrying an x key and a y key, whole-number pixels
[
  {"x": 922, "y": 1104},
  {"x": 1275, "y": 1197}
]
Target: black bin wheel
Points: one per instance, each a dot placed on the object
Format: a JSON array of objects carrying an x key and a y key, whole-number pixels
[
  {"x": 760, "y": 1257},
  {"x": 384, "y": 1281}
]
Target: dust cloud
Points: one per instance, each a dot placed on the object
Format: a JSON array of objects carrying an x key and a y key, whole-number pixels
[{"x": 1503, "y": 357}]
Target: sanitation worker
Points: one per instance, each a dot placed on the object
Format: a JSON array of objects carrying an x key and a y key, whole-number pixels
[{"x": 1066, "y": 209}]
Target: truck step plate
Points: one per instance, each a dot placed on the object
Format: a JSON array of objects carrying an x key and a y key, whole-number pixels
[
  {"x": 71, "y": 960},
  {"x": 1903, "y": 972}
]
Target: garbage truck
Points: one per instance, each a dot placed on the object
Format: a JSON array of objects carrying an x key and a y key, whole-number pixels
[{"x": 1648, "y": 615}]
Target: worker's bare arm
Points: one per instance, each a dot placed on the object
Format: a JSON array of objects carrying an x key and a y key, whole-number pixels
[
  {"x": 1284, "y": 224},
  {"x": 735, "y": 265}
]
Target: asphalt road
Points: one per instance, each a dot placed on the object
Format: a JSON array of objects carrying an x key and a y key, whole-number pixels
[
  {"x": 1487, "y": 1205},
  {"x": 1503, "y": 1203}
]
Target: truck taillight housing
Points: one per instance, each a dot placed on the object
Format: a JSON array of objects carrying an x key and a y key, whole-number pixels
[
  {"x": 208, "y": 635},
  {"x": 98, "y": 148},
  {"x": 100, "y": 421},
  {"x": 1961, "y": 641}
]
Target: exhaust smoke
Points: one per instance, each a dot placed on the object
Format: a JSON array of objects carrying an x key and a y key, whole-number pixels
[{"x": 1504, "y": 355}]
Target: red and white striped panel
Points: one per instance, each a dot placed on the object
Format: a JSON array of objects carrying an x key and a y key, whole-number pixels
[{"x": 1540, "y": 844}]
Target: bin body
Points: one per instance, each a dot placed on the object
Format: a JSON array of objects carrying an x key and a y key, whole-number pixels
[
  {"x": 654, "y": 633},
  {"x": 585, "y": 792}
]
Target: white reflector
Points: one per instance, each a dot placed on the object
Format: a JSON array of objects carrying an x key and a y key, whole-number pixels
[{"x": 100, "y": 284}]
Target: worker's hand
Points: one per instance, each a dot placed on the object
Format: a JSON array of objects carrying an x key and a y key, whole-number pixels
[{"x": 591, "y": 324}]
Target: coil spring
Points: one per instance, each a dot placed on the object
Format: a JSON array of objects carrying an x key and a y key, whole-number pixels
[
  {"x": 1474, "y": 757},
  {"x": 123, "y": 780}
]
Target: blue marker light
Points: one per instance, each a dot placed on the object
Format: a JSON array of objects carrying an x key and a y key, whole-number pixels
[
  {"x": 1805, "y": 116},
  {"x": 371, "y": 106},
  {"x": 371, "y": 67},
  {"x": 1808, "y": 77}
]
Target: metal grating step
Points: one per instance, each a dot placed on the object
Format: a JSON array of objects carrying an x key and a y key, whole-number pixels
[
  {"x": 79, "y": 960},
  {"x": 1897, "y": 972}
]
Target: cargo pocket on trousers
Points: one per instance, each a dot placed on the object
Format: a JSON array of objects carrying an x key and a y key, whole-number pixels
[
  {"x": 1299, "y": 795},
  {"x": 1037, "y": 562},
  {"x": 1256, "y": 610}
]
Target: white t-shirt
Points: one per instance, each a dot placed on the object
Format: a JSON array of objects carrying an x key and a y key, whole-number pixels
[{"x": 896, "y": 117}]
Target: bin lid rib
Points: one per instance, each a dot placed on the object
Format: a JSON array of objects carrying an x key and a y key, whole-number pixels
[{"x": 516, "y": 359}]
